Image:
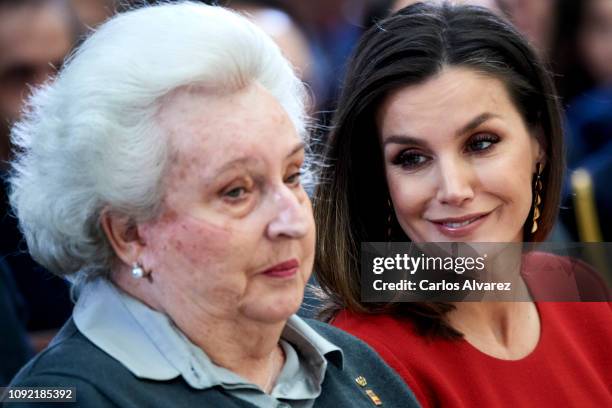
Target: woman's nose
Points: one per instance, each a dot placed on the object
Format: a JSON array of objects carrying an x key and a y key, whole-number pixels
[
  {"x": 291, "y": 218},
  {"x": 455, "y": 183}
]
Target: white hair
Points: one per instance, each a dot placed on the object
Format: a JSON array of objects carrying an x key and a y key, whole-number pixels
[{"x": 88, "y": 141}]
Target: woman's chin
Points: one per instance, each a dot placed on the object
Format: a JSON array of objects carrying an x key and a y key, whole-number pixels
[{"x": 273, "y": 308}]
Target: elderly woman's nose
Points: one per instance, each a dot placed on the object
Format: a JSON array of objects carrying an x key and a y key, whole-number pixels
[
  {"x": 291, "y": 218},
  {"x": 455, "y": 182}
]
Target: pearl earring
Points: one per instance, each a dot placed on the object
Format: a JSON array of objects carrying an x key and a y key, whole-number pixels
[{"x": 137, "y": 271}]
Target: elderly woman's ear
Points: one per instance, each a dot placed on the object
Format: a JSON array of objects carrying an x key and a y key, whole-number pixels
[{"x": 123, "y": 235}]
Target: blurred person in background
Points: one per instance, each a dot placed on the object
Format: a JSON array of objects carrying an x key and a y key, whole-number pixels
[
  {"x": 35, "y": 36},
  {"x": 274, "y": 19},
  {"x": 34, "y": 39},
  {"x": 380, "y": 9},
  {"x": 490, "y": 4},
  {"x": 162, "y": 173},
  {"x": 332, "y": 27},
  {"x": 15, "y": 349},
  {"x": 92, "y": 13},
  {"x": 535, "y": 19},
  {"x": 582, "y": 60},
  {"x": 581, "y": 54},
  {"x": 595, "y": 40}
]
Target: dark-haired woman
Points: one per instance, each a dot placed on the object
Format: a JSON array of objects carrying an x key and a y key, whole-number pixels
[{"x": 445, "y": 123}]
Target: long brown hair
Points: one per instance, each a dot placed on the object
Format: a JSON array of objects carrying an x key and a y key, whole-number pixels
[{"x": 405, "y": 49}]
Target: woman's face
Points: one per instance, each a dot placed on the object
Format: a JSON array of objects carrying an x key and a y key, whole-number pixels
[
  {"x": 595, "y": 39},
  {"x": 459, "y": 159},
  {"x": 235, "y": 239},
  {"x": 533, "y": 18}
]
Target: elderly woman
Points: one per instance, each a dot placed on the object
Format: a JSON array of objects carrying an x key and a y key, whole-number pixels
[
  {"x": 161, "y": 174},
  {"x": 448, "y": 129}
]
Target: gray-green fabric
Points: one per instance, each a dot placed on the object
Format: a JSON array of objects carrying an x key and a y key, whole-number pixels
[
  {"x": 149, "y": 345},
  {"x": 71, "y": 360},
  {"x": 102, "y": 381}
]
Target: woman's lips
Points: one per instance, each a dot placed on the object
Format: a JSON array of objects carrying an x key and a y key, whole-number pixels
[
  {"x": 283, "y": 270},
  {"x": 460, "y": 226}
]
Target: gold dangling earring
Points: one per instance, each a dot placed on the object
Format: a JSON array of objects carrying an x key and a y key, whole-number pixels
[{"x": 537, "y": 199}]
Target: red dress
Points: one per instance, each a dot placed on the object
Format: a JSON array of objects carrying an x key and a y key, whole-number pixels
[{"x": 571, "y": 365}]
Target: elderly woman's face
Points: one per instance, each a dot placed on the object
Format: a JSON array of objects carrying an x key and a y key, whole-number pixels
[
  {"x": 236, "y": 235},
  {"x": 458, "y": 158}
]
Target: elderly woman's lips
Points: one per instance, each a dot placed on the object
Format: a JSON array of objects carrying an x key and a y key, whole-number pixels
[{"x": 283, "y": 269}]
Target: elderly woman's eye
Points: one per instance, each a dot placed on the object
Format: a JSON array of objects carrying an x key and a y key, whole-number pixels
[
  {"x": 482, "y": 142},
  {"x": 409, "y": 159},
  {"x": 235, "y": 193}
]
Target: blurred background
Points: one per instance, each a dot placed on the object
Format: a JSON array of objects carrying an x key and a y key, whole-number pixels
[{"x": 573, "y": 37}]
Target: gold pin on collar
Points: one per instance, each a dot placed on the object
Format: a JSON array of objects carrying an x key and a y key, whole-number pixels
[
  {"x": 361, "y": 381},
  {"x": 374, "y": 397}
]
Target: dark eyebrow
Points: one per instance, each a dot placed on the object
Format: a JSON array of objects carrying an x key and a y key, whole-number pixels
[
  {"x": 470, "y": 126},
  {"x": 403, "y": 139},
  {"x": 477, "y": 121}
]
